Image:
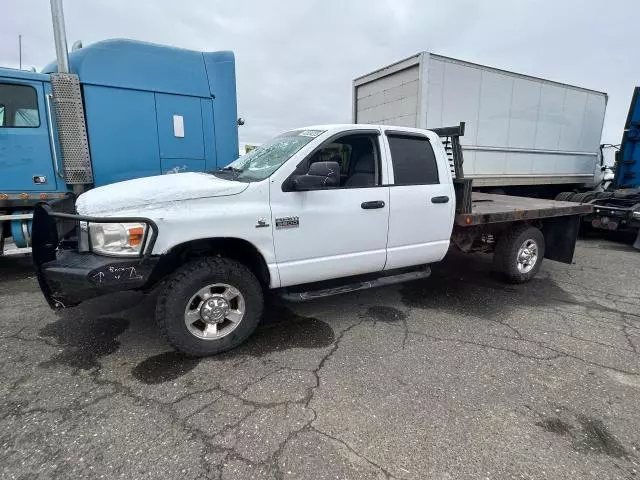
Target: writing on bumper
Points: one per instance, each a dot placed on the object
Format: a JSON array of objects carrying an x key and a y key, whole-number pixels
[{"x": 68, "y": 276}]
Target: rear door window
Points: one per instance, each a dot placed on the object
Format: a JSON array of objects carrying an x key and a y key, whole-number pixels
[{"x": 413, "y": 160}]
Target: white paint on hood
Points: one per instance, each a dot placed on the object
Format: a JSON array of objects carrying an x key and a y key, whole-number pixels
[{"x": 142, "y": 193}]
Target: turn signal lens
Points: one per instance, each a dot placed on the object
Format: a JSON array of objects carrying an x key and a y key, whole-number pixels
[{"x": 135, "y": 235}]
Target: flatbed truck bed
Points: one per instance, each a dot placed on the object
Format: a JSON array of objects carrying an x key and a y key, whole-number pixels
[{"x": 487, "y": 208}]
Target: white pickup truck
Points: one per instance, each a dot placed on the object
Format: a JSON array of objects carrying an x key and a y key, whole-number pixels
[{"x": 315, "y": 211}]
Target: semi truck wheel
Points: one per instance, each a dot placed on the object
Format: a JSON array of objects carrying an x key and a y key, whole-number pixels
[
  {"x": 209, "y": 306},
  {"x": 604, "y": 195},
  {"x": 584, "y": 197},
  {"x": 564, "y": 196},
  {"x": 519, "y": 253}
]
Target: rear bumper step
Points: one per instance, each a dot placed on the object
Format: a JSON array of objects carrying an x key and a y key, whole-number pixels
[{"x": 302, "y": 296}]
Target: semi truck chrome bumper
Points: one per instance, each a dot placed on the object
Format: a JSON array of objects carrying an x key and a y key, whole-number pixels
[{"x": 67, "y": 276}]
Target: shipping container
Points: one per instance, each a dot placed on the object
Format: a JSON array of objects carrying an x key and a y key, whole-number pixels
[{"x": 520, "y": 130}]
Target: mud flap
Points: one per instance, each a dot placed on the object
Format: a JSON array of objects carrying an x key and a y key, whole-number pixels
[
  {"x": 636, "y": 244},
  {"x": 560, "y": 235}
]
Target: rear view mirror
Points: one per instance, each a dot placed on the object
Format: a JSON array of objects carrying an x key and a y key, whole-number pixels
[{"x": 320, "y": 175}]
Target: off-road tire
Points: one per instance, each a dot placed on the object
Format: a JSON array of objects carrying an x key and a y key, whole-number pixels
[
  {"x": 505, "y": 256},
  {"x": 185, "y": 282}
]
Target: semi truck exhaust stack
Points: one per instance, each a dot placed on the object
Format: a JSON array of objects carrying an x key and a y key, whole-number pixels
[
  {"x": 60, "y": 36},
  {"x": 69, "y": 111}
]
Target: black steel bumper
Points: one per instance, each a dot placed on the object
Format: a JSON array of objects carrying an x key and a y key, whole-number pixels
[{"x": 68, "y": 276}]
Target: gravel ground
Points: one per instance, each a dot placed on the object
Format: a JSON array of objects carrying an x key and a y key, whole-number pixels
[{"x": 456, "y": 376}]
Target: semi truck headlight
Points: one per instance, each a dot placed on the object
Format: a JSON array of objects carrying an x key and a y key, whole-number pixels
[{"x": 117, "y": 239}]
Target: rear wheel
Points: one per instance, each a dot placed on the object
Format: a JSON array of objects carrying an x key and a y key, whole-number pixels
[
  {"x": 209, "y": 306},
  {"x": 519, "y": 253}
]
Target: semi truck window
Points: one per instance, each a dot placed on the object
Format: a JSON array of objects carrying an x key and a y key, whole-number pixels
[
  {"x": 18, "y": 106},
  {"x": 413, "y": 160}
]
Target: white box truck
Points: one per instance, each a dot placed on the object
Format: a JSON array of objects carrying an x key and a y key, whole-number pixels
[{"x": 524, "y": 135}]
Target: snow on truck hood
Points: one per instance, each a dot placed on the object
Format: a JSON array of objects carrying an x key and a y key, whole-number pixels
[{"x": 142, "y": 193}]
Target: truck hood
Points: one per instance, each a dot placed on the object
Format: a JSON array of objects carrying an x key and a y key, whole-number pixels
[{"x": 149, "y": 192}]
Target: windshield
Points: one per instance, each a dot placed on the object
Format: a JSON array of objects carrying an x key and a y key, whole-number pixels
[{"x": 261, "y": 162}]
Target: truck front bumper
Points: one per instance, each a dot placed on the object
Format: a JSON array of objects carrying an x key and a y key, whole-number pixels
[
  {"x": 67, "y": 276},
  {"x": 74, "y": 277}
]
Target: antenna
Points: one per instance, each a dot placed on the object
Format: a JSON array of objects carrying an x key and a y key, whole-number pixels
[{"x": 20, "y": 49}]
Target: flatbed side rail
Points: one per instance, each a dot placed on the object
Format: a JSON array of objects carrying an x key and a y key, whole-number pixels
[{"x": 517, "y": 214}]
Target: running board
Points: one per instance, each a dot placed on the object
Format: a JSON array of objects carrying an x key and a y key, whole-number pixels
[{"x": 354, "y": 287}]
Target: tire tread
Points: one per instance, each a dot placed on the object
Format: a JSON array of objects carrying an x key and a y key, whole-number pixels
[
  {"x": 221, "y": 265},
  {"x": 507, "y": 249}
]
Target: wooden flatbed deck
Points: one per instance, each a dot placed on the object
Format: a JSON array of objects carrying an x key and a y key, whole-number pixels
[{"x": 490, "y": 208}]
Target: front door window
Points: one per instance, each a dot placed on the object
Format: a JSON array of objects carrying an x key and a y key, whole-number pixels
[{"x": 18, "y": 106}]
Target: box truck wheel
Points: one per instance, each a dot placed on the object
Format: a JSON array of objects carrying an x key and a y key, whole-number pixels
[
  {"x": 209, "y": 306},
  {"x": 519, "y": 253}
]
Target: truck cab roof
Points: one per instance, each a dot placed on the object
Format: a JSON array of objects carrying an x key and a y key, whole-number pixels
[
  {"x": 339, "y": 127},
  {"x": 18, "y": 74},
  {"x": 132, "y": 64}
]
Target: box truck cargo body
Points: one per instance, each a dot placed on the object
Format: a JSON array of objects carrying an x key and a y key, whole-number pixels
[{"x": 520, "y": 130}]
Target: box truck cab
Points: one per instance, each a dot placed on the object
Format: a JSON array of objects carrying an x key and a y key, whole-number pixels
[{"x": 136, "y": 110}]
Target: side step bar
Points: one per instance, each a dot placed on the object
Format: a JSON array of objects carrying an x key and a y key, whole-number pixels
[{"x": 354, "y": 287}]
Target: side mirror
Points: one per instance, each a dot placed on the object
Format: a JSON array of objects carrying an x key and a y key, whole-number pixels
[{"x": 320, "y": 175}]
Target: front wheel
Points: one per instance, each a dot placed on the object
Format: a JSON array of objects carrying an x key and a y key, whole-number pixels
[
  {"x": 209, "y": 306},
  {"x": 519, "y": 253}
]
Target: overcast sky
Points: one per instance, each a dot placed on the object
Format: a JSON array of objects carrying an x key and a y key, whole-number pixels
[{"x": 295, "y": 60}]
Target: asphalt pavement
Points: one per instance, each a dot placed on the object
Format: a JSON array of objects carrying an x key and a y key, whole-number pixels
[{"x": 456, "y": 376}]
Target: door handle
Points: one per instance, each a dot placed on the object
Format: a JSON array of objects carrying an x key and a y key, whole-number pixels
[
  {"x": 372, "y": 205},
  {"x": 442, "y": 199}
]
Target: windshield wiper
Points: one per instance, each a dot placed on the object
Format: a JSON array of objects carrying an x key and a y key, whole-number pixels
[{"x": 235, "y": 171}]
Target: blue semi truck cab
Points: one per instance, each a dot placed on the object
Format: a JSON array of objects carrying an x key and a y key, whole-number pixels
[{"x": 126, "y": 109}]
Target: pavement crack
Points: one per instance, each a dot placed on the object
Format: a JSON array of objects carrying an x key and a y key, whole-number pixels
[
  {"x": 557, "y": 353},
  {"x": 627, "y": 335},
  {"x": 386, "y": 472},
  {"x": 325, "y": 359},
  {"x": 494, "y": 347}
]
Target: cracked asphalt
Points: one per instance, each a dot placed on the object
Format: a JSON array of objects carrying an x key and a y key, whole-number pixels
[{"x": 456, "y": 376}]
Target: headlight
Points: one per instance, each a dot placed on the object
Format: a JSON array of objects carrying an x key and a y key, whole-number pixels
[
  {"x": 117, "y": 239},
  {"x": 636, "y": 214}
]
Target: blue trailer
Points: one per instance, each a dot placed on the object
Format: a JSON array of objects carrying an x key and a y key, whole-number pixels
[{"x": 122, "y": 109}]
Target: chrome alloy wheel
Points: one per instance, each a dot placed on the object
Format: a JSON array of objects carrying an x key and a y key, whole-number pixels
[
  {"x": 214, "y": 311},
  {"x": 527, "y": 256}
]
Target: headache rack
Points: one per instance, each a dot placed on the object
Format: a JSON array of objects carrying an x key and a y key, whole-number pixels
[{"x": 451, "y": 140}]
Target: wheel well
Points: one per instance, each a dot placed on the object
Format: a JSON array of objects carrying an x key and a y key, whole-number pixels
[{"x": 234, "y": 248}]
